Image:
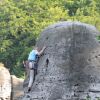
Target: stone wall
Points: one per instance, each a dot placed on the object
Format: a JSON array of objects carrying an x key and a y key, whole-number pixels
[{"x": 74, "y": 63}]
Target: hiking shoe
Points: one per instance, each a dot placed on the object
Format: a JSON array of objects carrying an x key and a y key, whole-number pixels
[{"x": 29, "y": 89}]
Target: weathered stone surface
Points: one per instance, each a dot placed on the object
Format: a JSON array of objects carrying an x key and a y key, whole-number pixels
[
  {"x": 17, "y": 87},
  {"x": 73, "y": 72},
  {"x": 5, "y": 83}
]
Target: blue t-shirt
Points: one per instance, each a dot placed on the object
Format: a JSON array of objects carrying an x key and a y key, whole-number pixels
[{"x": 32, "y": 55}]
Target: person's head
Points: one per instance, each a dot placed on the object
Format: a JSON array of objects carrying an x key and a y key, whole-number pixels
[{"x": 37, "y": 48}]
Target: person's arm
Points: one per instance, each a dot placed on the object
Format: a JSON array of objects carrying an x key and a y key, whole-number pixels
[{"x": 41, "y": 52}]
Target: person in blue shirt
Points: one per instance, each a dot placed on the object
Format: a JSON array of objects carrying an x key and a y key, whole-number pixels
[{"x": 33, "y": 61}]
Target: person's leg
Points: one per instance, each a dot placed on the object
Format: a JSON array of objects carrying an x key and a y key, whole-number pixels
[
  {"x": 36, "y": 67},
  {"x": 31, "y": 76},
  {"x": 35, "y": 73},
  {"x": 31, "y": 79}
]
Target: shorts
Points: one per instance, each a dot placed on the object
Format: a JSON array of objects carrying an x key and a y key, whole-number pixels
[{"x": 32, "y": 65}]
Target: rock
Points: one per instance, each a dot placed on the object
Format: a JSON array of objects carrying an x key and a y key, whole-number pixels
[
  {"x": 5, "y": 83},
  {"x": 17, "y": 87},
  {"x": 74, "y": 63},
  {"x": 11, "y": 87}
]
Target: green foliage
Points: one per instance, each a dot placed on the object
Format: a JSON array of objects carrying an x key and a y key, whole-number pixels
[{"x": 21, "y": 22}]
